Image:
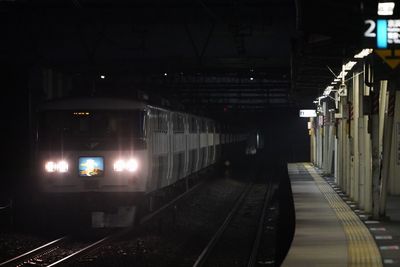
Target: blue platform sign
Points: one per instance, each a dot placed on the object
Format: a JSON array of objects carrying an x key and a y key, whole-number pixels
[
  {"x": 384, "y": 32},
  {"x": 381, "y": 33}
]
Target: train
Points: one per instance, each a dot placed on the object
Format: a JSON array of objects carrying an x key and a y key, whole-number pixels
[{"x": 117, "y": 151}]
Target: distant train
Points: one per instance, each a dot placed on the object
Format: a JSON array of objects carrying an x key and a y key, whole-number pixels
[{"x": 118, "y": 150}]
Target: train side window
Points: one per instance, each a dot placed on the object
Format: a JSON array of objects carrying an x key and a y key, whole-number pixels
[
  {"x": 177, "y": 121},
  {"x": 192, "y": 125},
  {"x": 203, "y": 126}
]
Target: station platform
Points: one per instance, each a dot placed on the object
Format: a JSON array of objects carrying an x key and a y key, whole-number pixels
[{"x": 328, "y": 232}]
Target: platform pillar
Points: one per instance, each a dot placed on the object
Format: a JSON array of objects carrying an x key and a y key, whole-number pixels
[
  {"x": 387, "y": 145},
  {"x": 367, "y": 144},
  {"x": 355, "y": 137},
  {"x": 361, "y": 144},
  {"x": 375, "y": 126}
]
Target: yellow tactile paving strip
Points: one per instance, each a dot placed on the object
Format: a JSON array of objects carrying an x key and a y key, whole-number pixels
[{"x": 362, "y": 249}]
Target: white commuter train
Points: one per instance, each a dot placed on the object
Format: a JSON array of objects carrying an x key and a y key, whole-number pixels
[{"x": 119, "y": 149}]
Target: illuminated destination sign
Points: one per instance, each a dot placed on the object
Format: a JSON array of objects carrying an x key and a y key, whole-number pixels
[
  {"x": 384, "y": 33},
  {"x": 308, "y": 113},
  {"x": 91, "y": 166}
]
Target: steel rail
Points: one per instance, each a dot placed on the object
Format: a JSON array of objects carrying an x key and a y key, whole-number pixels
[
  {"x": 214, "y": 240},
  {"x": 254, "y": 251},
  {"x": 93, "y": 246},
  {"x": 30, "y": 254},
  {"x": 78, "y": 254}
]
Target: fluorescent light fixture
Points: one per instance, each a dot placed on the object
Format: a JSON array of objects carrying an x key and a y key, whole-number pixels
[
  {"x": 334, "y": 82},
  {"x": 349, "y": 65},
  {"x": 385, "y": 9},
  {"x": 337, "y": 80},
  {"x": 342, "y": 74},
  {"x": 365, "y": 52},
  {"x": 102, "y": 76},
  {"x": 328, "y": 90}
]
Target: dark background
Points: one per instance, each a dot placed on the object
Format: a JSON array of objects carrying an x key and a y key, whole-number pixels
[{"x": 253, "y": 63}]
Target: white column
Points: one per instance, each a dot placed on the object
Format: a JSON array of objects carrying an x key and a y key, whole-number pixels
[
  {"x": 367, "y": 144},
  {"x": 361, "y": 144},
  {"x": 356, "y": 155}
]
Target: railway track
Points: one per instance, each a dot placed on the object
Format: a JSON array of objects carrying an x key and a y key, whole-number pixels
[
  {"x": 58, "y": 252},
  {"x": 237, "y": 241},
  {"x": 67, "y": 249}
]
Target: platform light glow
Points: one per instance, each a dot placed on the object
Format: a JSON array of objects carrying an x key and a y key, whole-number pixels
[
  {"x": 102, "y": 77},
  {"x": 386, "y": 9}
]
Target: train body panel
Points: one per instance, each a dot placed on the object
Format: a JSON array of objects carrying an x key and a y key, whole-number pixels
[{"x": 114, "y": 146}]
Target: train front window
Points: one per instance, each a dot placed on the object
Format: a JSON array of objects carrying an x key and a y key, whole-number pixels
[{"x": 109, "y": 128}]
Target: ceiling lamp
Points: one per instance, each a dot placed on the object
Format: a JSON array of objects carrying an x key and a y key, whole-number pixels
[
  {"x": 365, "y": 52},
  {"x": 349, "y": 65},
  {"x": 385, "y": 9}
]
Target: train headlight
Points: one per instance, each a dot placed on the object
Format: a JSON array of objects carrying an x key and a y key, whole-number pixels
[
  {"x": 130, "y": 165},
  {"x": 50, "y": 166},
  {"x": 61, "y": 166},
  {"x": 119, "y": 165}
]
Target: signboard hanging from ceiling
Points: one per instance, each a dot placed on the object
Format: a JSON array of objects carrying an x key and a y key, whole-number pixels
[
  {"x": 307, "y": 113},
  {"x": 382, "y": 33},
  {"x": 384, "y": 36}
]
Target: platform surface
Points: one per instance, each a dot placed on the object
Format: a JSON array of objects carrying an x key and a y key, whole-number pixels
[{"x": 327, "y": 233}]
